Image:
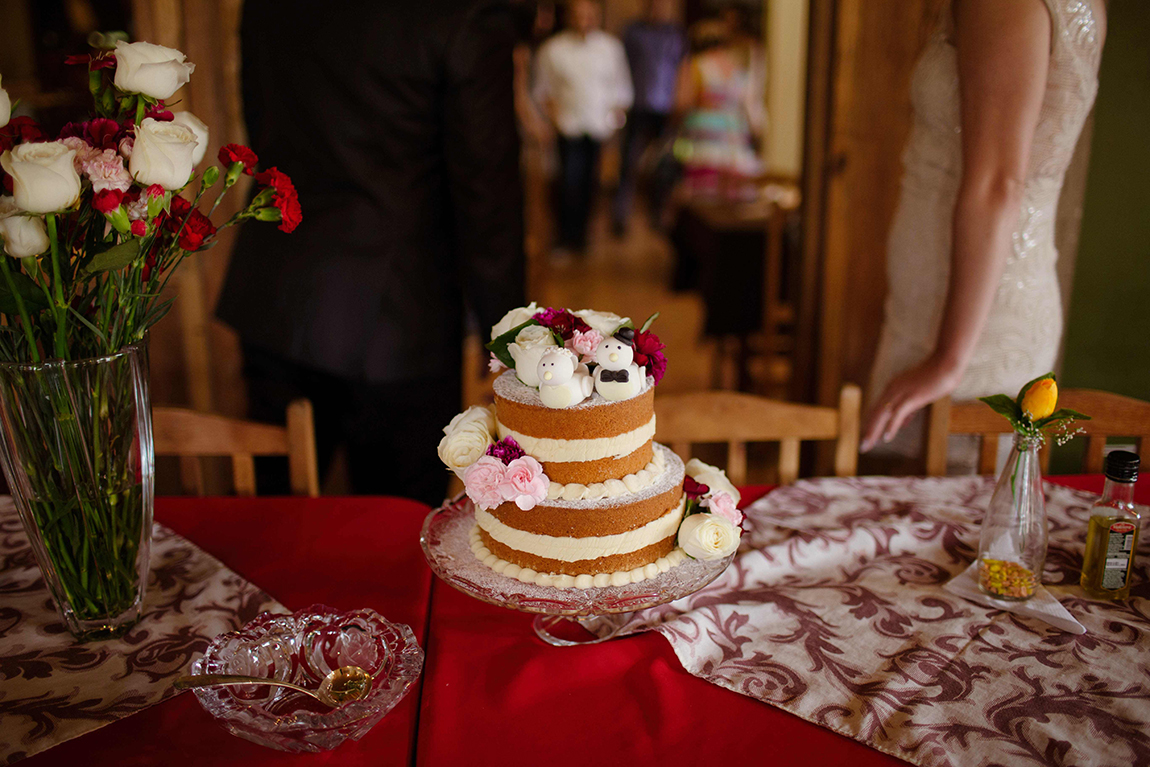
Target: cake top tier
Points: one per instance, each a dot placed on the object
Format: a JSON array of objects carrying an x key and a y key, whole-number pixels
[{"x": 508, "y": 386}]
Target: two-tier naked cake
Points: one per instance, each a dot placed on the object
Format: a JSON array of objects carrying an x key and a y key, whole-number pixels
[{"x": 569, "y": 487}]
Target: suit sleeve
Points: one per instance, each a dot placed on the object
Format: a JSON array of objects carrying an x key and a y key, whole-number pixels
[{"x": 481, "y": 148}]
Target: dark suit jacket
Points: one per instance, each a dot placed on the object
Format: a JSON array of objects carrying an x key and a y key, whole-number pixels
[{"x": 395, "y": 119}]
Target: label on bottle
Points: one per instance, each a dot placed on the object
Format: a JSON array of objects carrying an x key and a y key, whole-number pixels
[{"x": 1119, "y": 548}]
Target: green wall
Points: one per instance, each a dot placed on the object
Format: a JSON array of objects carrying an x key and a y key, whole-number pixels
[{"x": 1108, "y": 322}]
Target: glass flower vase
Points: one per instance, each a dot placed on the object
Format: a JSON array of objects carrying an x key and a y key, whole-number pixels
[
  {"x": 77, "y": 453},
  {"x": 1012, "y": 547}
]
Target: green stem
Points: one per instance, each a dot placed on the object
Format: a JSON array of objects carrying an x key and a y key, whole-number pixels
[
  {"x": 24, "y": 318},
  {"x": 61, "y": 310}
]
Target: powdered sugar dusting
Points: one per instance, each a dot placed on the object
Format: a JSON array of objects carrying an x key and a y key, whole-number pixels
[{"x": 510, "y": 388}]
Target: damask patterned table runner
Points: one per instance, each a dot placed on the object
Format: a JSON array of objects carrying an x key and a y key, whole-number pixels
[
  {"x": 838, "y": 615},
  {"x": 53, "y": 689}
]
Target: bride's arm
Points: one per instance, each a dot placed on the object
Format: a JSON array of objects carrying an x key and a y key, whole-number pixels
[{"x": 1003, "y": 54}]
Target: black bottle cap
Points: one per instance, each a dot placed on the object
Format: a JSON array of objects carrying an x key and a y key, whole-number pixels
[{"x": 1121, "y": 466}]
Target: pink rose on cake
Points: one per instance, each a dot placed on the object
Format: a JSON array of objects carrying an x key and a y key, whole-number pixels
[
  {"x": 483, "y": 482},
  {"x": 723, "y": 505},
  {"x": 524, "y": 483}
]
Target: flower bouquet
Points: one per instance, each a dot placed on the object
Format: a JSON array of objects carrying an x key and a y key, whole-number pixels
[
  {"x": 1012, "y": 546},
  {"x": 95, "y": 222}
]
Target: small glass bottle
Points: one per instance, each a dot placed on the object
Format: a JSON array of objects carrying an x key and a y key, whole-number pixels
[
  {"x": 1112, "y": 537},
  {"x": 1012, "y": 545}
]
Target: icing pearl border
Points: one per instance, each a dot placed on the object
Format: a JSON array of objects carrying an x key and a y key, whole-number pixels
[
  {"x": 585, "y": 581},
  {"x": 612, "y": 488}
]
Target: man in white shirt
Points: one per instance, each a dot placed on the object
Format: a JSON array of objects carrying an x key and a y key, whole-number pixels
[{"x": 584, "y": 86}]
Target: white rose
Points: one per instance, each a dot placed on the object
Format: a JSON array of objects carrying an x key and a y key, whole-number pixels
[
  {"x": 464, "y": 446},
  {"x": 152, "y": 70},
  {"x": 5, "y": 107},
  {"x": 713, "y": 477},
  {"x": 162, "y": 154},
  {"x": 196, "y": 126},
  {"x": 22, "y": 235},
  {"x": 530, "y": 343},
  {"x": 473, "y": 414},
  {"x": 605, "y": 322},
  {"x": 513, "y": 319},
  {"x": 708, "y": 536},
  {"x": 44, "y": 176}
]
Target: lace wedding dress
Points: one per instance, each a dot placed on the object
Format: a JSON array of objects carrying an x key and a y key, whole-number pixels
[{"x": 1021, "y": 337}]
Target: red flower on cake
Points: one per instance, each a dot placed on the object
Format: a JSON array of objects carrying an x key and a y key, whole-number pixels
[
  {"x": 694, "y": 489},
  {"x": 649, "y": 353},
  {"x": 286, "y": 198},
  {"x": 233, "y": 153},
  {"x": 561, "y": 321}
]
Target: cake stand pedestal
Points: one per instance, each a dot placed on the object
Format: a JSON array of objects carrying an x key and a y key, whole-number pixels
[{"x": 446, "y": 542}]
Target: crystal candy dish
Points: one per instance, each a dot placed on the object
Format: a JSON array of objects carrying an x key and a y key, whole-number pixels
[
  {"x": 303, "y": 648},
  {"x": 446, "y": 542}
]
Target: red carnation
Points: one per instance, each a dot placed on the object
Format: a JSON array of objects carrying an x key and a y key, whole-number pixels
[
  {"x": 286, "y": 198},
  {"x": 693, "y": 489},
  {"x": 159, "y": 114},
  {"x": 196, "y": 226},
  {"x": 155, "y": 190},
  {"x": 103, "y": 60},
  {"x": 139, "y": 228},
  {"x": 562, "y": 322},
  {"x": 101, "y": 132},
  {"x": 233, "y": 153},
  {"x": 649, "y": 352},
  {"x": 20, "y": 130},
  {"x": 107, "y": 200}
]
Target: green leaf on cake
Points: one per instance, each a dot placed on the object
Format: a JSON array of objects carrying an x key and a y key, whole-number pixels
[
  {"x": 650, "y": 321},
  {"x": 498, "y": 345}
]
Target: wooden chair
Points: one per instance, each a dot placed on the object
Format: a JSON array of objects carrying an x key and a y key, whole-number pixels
[
  {"x": 191, "y": 435},
  {"x": 1112, "y": 415},
  {"x": 737, "y": 418}
]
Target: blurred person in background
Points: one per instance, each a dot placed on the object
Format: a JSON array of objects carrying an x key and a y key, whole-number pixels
[
  {"x": 1000, "y": 95},
  {"x": 655, "y": 47},
  {"x": 721, "y": 96},
  {"x": 584, "y": 88},
  {"x": 396, "y": 122}
]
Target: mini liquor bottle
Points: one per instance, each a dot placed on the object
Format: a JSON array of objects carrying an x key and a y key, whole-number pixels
[{"x": 1112, "y": 537}]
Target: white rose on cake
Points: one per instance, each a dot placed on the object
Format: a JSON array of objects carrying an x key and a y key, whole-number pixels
[
  {"x": 22, "y": 236},
  {"x": 604, "y": 322},
  {"x": 162, "y": 154},
  {"x": 466, "y": 438},
  {"x": 708, "y": 536},
  {"x": 713, "y": 477},
  {"x": 196, "y": 126},
  {"x": 153, "y": 70},
  {"x": 514, "y": 319},
  {"x": 43, "y": 175},
  {"x": 530, "y": 343}
]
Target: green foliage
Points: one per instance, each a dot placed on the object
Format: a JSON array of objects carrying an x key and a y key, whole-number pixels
[
  {"x": 28, "y": 290},
  {"x": 498, "y": 345},
  {"x": 115, "y": 257}
]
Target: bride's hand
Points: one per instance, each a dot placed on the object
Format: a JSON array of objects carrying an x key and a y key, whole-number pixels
[{"x": 910, "y": 390}]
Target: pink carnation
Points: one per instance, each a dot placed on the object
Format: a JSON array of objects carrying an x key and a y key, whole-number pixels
[
  {"x": 84, "y": 152},
  {"x": 586, "y": 342},
  {"x": 483, "y": 481},
  {"x": 524, "y": 482},
  {"x": 106, "y": 171},
  {"x": 723, "y": 504},
  {"x": 494, "y": 364}
]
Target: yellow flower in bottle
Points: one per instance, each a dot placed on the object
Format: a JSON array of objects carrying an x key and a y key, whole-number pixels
[{"x": 1040, "y": 399}]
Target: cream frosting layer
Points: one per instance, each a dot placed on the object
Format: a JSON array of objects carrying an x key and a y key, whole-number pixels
[
  {"x": 568, "y": 549},
  {"x": 577, "y": 450},
  {"x": 612, "y": 488},
  {"x": 563, "y": 581}
]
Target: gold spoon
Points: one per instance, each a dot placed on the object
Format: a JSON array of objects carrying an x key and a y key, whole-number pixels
[{"x": 346, "y": 683}]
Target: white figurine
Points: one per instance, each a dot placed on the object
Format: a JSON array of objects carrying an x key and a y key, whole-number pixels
[
  {"x": 563, "y": 380},
  {"x": 617, "y": 377}
]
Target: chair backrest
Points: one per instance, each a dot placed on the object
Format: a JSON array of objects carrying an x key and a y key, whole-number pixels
[
  {"x": 191, "y": 435},
  {"x": 737, "y": 418},
  {"x": 1111, "y": 415}
]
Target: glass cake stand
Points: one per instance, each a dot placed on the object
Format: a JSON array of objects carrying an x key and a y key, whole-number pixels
[{"x": 446, "y": 542}]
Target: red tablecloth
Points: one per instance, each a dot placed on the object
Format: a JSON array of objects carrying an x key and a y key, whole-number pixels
[{"x": 491, "y": 692}]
